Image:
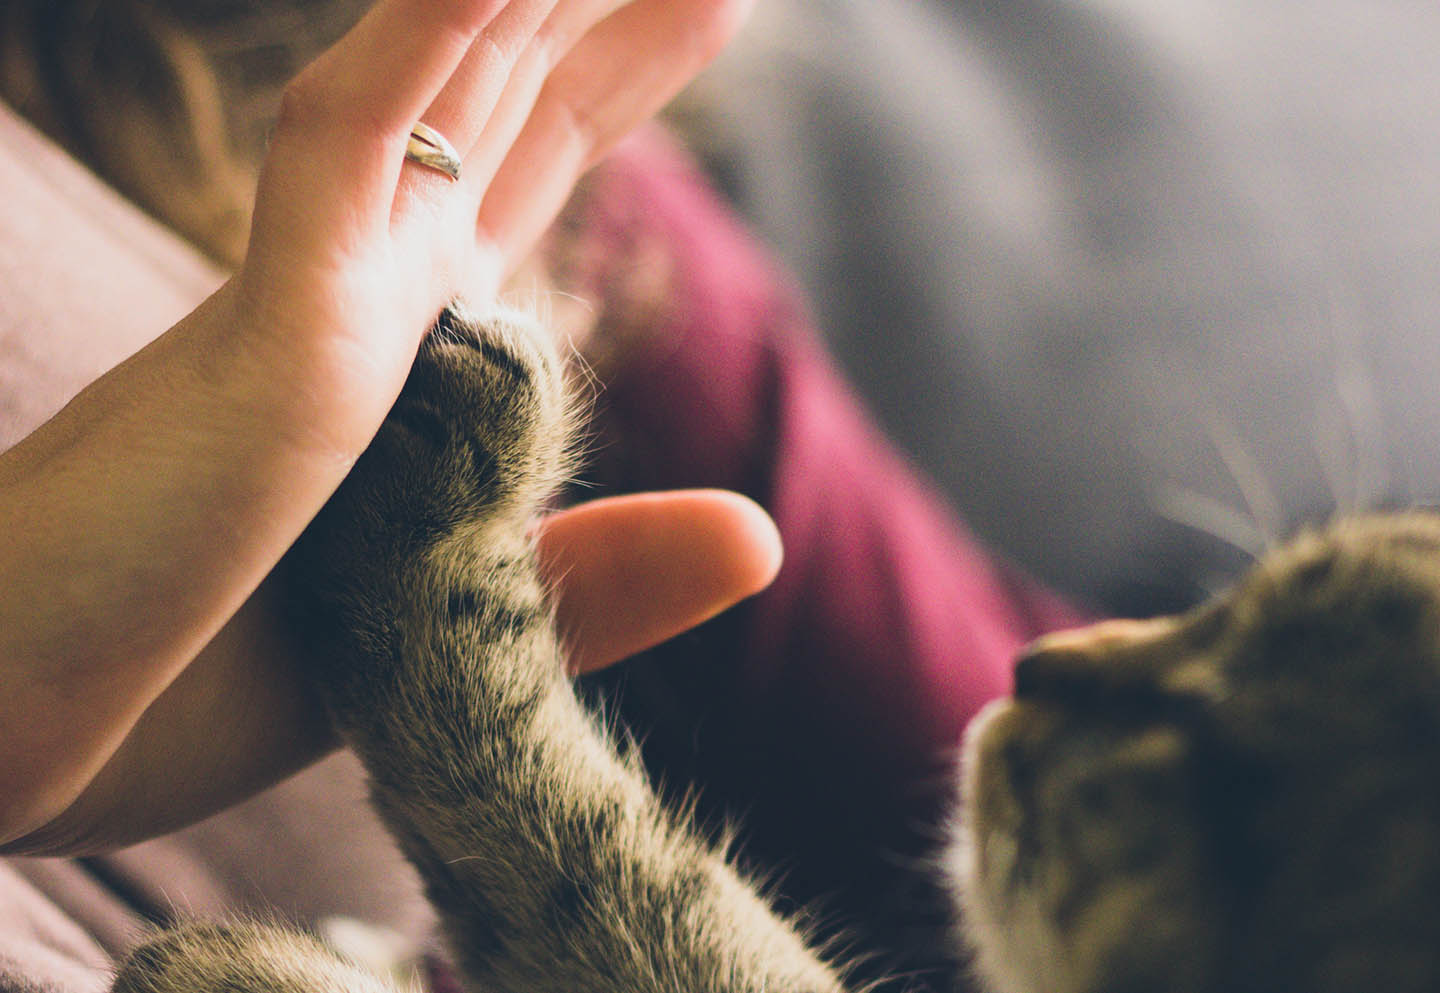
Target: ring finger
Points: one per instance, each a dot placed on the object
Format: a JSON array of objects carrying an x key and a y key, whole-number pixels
[
  {"x": 485, "y": 104},
  {"x": 465, "y": 102}
]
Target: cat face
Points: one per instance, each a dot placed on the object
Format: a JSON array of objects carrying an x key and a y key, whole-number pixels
[{"x": 1246, "y": 797}]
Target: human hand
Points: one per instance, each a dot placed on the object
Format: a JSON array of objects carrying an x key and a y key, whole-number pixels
[
  {"x": 147, "y": 682},
  {"x": 630, "y": 572}
]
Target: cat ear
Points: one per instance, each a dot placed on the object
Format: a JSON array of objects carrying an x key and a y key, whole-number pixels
[{"x": 1117, "y": 657}]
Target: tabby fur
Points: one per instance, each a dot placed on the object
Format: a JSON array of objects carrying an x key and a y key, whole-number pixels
[
  {"x": 552, "y": 864},
  {"x": 1242, "y": 799}
]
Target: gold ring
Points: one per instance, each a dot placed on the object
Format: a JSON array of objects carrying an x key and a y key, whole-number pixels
[{"x": 428, "y": 147}]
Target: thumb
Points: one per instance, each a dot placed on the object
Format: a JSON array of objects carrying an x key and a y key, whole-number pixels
[{"x": 633, "y": 571}]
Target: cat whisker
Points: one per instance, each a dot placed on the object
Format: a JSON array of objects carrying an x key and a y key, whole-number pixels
[
  {"x": 459, "y": 860},
  {"x": 1193, "y": 509},
  {"x": 1355, "y": 463},
  {"x": 1265, "y": 514}
]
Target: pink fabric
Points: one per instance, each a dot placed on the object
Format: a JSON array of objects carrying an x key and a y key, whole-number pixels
[{"x": 44, "y": 943}]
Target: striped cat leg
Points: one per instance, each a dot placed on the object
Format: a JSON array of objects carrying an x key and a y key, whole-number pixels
[
  {"x": 240, "y": 958},
  {"x": 549, "y": 857}
]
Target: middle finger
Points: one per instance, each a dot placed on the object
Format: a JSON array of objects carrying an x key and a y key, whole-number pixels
[{"x": 570, "y": 21}]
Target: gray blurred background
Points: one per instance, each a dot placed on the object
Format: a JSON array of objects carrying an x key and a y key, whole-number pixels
[{"x": 1143, "y": 284}]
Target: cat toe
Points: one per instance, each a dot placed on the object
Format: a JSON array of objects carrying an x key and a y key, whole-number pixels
[{"x": 489, "y": 394}]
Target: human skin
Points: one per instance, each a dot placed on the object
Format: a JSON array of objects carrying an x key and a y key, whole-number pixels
[{"x": 146, "y": 678}]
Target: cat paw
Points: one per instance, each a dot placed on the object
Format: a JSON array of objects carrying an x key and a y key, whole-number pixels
[
  {"x": 479, "y": 433},
  {"x": 481, "y": 429},
  {"x": 239, "y": 958},
  {"x": 479, "y": 436}
]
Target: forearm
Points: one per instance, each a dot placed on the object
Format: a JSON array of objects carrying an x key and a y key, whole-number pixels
[
  {"x": 549, "y": 857},
  {"x": 431, "y": 642},
  {"x": 238, "y": 719},
  {"x": 143, "y": 516}
]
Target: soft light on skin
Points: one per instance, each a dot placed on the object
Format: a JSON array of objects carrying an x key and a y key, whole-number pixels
[{"x": 655, "y": 565}]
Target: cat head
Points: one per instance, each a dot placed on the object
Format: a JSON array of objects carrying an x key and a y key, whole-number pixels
[{"x": 1242, "y": 798}]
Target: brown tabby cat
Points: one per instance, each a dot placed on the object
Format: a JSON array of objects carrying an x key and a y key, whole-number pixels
[
  {"x": 550, "y": 860},
  {"x": 1242, "y": 799}
]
